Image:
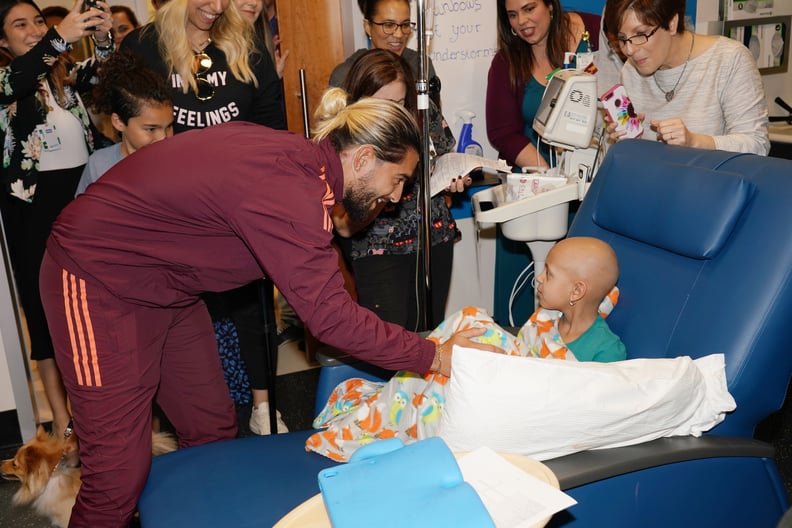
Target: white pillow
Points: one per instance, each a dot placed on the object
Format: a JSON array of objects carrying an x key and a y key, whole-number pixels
[{"x": 547, "y": 408}]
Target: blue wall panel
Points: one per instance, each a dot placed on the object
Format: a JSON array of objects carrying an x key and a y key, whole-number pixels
[{"x": 595, "y": 6}]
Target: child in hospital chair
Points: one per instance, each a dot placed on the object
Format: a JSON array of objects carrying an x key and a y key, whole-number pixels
[{"x": 576, "y": 290}]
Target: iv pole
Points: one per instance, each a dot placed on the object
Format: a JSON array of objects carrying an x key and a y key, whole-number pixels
[{"x": 424, "y": 237}]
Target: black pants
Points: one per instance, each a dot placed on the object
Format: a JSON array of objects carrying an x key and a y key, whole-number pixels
[
  {"x": 243, "y": 306},
  {"x": 27, "y": 227},
  {"x": 388, "y": 286}
]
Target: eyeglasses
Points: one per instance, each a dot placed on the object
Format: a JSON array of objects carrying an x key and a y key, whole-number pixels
[
  {"x": 637, "y": 40},
  {"x": 389, "y": 28},
  {"x": 202, "y": 63}
]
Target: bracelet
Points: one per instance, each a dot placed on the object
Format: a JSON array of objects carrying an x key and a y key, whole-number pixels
[
  {"x": 439, "y": 357},
  {"x": 108, "y": 40}
]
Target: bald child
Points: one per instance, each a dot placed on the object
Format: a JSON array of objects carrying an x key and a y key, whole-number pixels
[{"x": 579, "y": 273}]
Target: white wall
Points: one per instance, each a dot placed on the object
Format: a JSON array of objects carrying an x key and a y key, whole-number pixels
[
  {"x": 16, "y": 390},
  {"x": 6, "y": 394}
]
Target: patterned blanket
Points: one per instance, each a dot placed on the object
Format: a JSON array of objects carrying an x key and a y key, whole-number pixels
[{"x": 408, "y": 406}]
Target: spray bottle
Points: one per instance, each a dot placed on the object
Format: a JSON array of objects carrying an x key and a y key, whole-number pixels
[{"x": 466, "y": 142}]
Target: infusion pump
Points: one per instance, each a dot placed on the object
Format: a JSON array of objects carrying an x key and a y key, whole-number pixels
[{"x": 568, "y": 110}]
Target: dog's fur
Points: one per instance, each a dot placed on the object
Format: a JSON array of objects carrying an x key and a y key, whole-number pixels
[{"x": 49, "y": 473}]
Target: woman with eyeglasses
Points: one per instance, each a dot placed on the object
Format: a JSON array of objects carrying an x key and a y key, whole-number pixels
[
  {"x": 388, "y": 26},
  {"x": 533, "y": 37},
  {"x": 47, "y": 137},
  {"x": 216, "y": 68},
  {"x": 701, "y": 91}
]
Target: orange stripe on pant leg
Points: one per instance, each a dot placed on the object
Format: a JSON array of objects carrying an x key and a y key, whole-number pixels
[
  {"x": 69, "y": 325},
  {"x": 79, "y": 329},
  {"x": 90, "y": 332}
]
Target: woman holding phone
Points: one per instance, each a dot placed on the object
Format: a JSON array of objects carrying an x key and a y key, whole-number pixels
[{"x": 47, "y": 137}]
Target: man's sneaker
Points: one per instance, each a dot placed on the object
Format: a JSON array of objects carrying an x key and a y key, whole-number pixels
[{"x": 260, "y": 422}]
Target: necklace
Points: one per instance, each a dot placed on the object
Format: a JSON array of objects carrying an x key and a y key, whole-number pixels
[
  {"x": 199, "y": 49},
  {"x": 669, "y": 95}
]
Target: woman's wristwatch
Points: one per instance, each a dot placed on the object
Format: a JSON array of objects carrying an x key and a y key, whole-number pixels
[{"x": 104, "y": 44}]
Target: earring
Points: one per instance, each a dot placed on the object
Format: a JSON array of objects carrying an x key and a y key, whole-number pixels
[
  {"x": 572, "y": 303},
  {"x": 513, "y": 32}
]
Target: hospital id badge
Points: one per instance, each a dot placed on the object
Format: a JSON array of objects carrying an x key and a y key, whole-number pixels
[
  {"x": 50, "y": 140},
  {"x": 582, "y": 60}
]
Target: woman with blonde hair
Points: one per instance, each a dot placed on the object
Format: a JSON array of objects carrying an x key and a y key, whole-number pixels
[
  {"x": 259, "y": 14},
  {"x": 217, "y": 70}
]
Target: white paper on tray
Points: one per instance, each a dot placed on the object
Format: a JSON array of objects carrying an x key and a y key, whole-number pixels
[{"x": 513, "y": 498}]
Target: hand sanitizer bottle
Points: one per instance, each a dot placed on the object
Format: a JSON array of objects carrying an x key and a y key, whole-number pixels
[{"x": 466, "y": 142}]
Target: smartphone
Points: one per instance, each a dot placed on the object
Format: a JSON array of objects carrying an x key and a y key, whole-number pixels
[
  {"x": 88, "y": 4},
  {"x": 620, "y": 109}
]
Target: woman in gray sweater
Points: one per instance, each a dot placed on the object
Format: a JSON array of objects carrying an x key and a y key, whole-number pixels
[{"x": 699, "y": 91}]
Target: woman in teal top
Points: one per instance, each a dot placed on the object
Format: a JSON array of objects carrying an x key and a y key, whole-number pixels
[
  {"x": 532, "y": 97},
  {"x": 532, "y": 40}
]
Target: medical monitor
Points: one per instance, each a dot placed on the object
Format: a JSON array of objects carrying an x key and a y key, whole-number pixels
[{"x": 568, "y": 110}]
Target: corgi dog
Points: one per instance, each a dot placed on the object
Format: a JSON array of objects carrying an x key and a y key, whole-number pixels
[{"x": 48, "y": 469}]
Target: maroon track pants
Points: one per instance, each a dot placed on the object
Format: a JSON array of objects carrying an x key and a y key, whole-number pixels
[{"x": 116, "y": 358}]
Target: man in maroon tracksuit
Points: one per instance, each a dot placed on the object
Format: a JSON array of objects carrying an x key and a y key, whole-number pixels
[{"x": 209, "y": 210}]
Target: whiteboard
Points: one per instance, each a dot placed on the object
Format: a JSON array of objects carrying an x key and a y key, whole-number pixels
[{"x": 462, "y": 46}]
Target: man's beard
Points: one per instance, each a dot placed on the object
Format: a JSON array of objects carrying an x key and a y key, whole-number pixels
[{"x": 357, "y": 204}]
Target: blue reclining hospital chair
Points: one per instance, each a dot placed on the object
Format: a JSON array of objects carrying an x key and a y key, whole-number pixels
[{"x": 705, "y": 248}]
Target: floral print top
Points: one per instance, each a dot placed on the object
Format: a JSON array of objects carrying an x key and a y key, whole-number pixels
[{"x": 23, "y": 108}]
